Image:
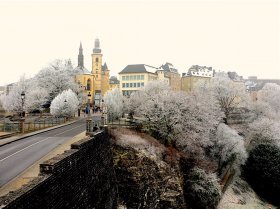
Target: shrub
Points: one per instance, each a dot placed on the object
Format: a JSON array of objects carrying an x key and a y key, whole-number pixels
[
  {"x": 202, "y": 191},
  {"x": 262, "y": 171}
]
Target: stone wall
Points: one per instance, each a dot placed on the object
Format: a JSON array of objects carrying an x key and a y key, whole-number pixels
[{"x": 82, "y": 177}]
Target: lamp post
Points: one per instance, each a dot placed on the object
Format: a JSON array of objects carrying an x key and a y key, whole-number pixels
[
  {"x": 89, "y": 96},
  {"x": 65, "y": 106},
  {"x": 22, "y": 95}
]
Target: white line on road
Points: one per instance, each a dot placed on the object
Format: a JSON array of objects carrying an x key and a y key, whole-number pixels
[{"x": 37, "y": 143}]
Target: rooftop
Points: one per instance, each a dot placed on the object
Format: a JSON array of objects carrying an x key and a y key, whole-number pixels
[
  {"x": 139, "y": 68},
  {"x": 114, "y": 80},
  {"x": 81, "y": 70},
  {"x": 168, "y": 67}
]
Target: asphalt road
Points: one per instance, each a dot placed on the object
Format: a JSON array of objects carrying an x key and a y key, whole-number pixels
[{"x": 19, "y": 155}]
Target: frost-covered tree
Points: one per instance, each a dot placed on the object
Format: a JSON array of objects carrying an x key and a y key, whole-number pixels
[
  {"x": 264, "y": 130},
  {"x": 270, "y": 96},
  {"x": 176, "y": 118},
  {"x": 229, "y": 94},
  {"x": 65, "y": 104},
  {"x": 114, "y": 101},
  {"x": 260, "y": 109},
  {"x": 57, "y": 77},
  {"x": 202, "y": 190},
  {"x": 228, "y": 147},
  {"x": 13, "y": 102},
  {"x": 35, "y": 99}
]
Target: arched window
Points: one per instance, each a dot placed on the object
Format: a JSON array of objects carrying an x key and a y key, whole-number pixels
[
  {"x": 88, "y": 84},
  {"x": 96, "y": 59}
]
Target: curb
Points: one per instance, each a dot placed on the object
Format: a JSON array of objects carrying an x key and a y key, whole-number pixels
[
  {"x": 37, "y": 132},
  {"x": 7, "y": 135}
]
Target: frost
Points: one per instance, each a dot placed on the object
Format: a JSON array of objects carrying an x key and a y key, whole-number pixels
[{"x": 65, "y": 104}]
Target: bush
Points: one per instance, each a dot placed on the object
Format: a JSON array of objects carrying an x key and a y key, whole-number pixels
[
  {"x": 202, "y": 191},
  {"x": 262, "y": 171}
]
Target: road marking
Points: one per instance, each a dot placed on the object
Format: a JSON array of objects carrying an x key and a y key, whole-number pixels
[{"x": 31, "y": 145}]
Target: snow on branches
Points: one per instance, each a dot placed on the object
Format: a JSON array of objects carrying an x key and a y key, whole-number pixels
[
  {"x": 65, "y": 104},
  {"x": 229, "y": 94},
  {"x": 114, "y": 101},
  {"x": 228, "y": 147},
  {"x": 177, "y": 118},
  {"x": 57, "y": 77}
]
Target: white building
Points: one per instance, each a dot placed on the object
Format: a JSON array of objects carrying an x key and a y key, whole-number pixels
[
  {"x": 201, "y": 71},
  {"x": 133, "y": 77}
]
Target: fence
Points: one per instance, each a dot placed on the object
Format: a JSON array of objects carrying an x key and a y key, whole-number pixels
[
  {"x": 37, "y": 124},
  {"x": 9, "y": 126}
]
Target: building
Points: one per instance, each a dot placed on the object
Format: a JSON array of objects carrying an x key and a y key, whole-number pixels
[
  {"x": 172, "y": 73},
  {"x": 254, "y": 85},
  {"x": 114, "y": 82},
  {"x": 2, "y": 90},
  {"x": 8, "y": 88},
  {"x": 96, "y": 82},
  {"x": 133, "y": 77},
  {"x": 195, "y": 74}
]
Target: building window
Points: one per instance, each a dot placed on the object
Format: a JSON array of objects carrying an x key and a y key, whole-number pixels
[
  {"x": 127, "y": 78},
  {"x": 127, "y": 85},
  {"x": 142, "y": 83},
  {"x": 138, "y": 77},
  {"x": 134, "y": 77},
  {"x": 88, "y": 84},
  {"x": 130, "y": 85},
  {"x": 96, "y": 76},
  {"x": 138, "y": 84},
  {"x": 142, "y": 77},
  {"x": 123, "y": 85},
  {"x": 96, "y": 59},
  {"x": 123, "y": 78},
  {"x": 134, "y": 84},
  {"x": 96, "y": 71}
]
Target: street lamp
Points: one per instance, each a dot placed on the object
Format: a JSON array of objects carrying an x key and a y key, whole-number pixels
[
  {"x": 22, "y": 95},
  {"x": 89, "y": 96},
  {"x": 65, "y": 109}
]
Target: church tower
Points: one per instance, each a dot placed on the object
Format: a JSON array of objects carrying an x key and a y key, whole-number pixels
[
  {"x": 97, "y": 64},
  {"x": 97, "y": 72}
]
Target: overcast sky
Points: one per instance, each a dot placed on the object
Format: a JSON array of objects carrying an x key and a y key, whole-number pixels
[{"x": 241, "y": 36}]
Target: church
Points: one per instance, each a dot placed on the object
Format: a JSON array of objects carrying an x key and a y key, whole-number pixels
[{"x": 95, "y": 83}]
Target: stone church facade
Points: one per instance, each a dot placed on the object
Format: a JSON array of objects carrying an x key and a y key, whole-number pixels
[{"x": 95, "y": 83}]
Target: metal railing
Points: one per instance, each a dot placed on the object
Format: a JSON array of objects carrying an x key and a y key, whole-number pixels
[
  {"x": 9, "y": 126},
  {"x": 29, "y": 126}
]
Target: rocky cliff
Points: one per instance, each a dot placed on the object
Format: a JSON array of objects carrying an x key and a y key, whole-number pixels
[{"x": 148, "y": 174}]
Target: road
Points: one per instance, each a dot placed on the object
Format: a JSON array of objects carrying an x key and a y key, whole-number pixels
[{"x": 19, "y": 155}]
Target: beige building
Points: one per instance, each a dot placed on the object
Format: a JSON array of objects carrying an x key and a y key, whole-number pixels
[
  {"x": 188, "y": 82},
  {"x": 114, "y": 83},
  {"x": 96, "y": 82},
  {"x": 133, "y": 77},
  {"x": 172, "y": 73},
  {"x": 195, "y": 74}
]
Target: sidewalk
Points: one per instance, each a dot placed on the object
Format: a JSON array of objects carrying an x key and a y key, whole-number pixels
[
  {"x": 6, "y": 134},
  {"x": 33, "y": 171},
  {"x": 12, "y": 138}
]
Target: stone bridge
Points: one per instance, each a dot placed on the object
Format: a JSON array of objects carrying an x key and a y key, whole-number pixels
[{"x": 82, "y": 177}]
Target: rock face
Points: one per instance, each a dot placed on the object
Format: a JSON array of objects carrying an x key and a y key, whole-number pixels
[{"x": 147, "y": 174}]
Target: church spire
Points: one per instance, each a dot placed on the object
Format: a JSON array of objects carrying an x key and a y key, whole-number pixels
[{"x": 81, "y": 56}]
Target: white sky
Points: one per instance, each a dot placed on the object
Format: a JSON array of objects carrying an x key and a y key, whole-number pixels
[{"x": 241, "y": 36}]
